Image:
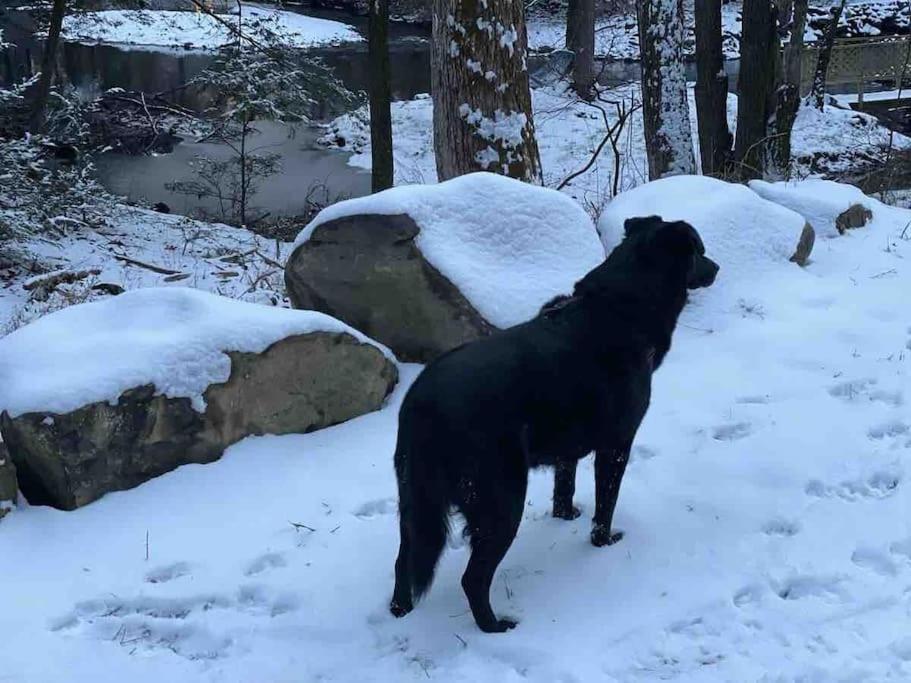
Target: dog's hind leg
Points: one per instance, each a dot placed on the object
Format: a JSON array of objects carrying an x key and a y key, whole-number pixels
[
  {"x": 564, "y": 489},
  {"x": 402, "y": 602},
  {"x": 492, "y": 523},
  {"x": 610, "y": 464}
]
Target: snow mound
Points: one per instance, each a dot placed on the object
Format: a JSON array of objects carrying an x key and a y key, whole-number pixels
[
  {"x": 172, "y": 29},
  {"x": 175, "y": 338},
  {"x": 508, "y": 246},
  {"x": 819, "y": 201},
  {"x": 741, "y": 230}
]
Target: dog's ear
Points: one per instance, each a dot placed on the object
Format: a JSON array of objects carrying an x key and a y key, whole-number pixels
[{"x": 633, "y": 226}]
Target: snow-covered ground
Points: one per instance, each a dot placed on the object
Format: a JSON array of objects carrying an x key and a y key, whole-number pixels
[
  {"x": 198, "y": 30},
  {"x": 569, "y": 130},
  {"x": 141, "y": 248},
  {"x": 765, "y": 509}
]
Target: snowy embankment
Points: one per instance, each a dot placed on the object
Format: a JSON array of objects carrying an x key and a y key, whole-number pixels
[
  {"x": 197, "y": 30},
  {"x": 142, "y": 248},
  {"x": 570, "y": 130},
  {"x": 765, "y": 510}
]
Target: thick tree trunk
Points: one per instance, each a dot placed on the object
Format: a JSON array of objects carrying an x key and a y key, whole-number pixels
[
  {"x": 711, "y": 89},
  {"x": 825, "y": 54},
  {"x": 668, "y": 140},
  {"x": 758, "y": 66},
  {"x": 48, "y": 63},
  {"x": 792, "y": 19},
  {"x": 482, "y": 118},
  {"x": 380, "y": 97},
  {"x": 580, "y": 40}
]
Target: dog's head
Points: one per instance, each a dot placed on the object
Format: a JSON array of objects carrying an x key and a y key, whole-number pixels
[{"x": 673, "y": 247}]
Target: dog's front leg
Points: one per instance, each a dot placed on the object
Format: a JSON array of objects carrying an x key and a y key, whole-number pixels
[
  {"x": 564, "y": 489},
  {"x": 610, "y": 464}
]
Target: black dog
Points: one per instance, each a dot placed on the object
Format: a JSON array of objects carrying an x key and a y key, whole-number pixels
[{"x": 576, "y": 378}]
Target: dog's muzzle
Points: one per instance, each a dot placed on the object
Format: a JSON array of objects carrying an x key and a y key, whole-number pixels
[{"x": 703, "y": 273}]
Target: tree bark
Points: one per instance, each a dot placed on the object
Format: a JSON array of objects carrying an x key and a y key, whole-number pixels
[
  {"x": 580, "y": 40},
  {"x": 482, "y": 117},
  {"x": 382, "y": 169},
  {"x": 668, "y": 139},
  {"x": 825, "y": 55},
  {"x": 711, "y": 89},
  {"x": 758, "y": 66},
  {"x": 792, "y": 19},
  {"x": 48, "y": 63}
]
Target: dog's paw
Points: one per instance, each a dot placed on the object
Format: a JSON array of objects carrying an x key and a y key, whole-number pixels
[
  {"x": 566, "y": 511},
  {"x": 398, "y": 610},
  {"x": 602, "y": 536},
  {"x": 499, "y": 626}
]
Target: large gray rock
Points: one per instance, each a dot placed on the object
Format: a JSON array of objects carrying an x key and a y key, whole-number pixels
[
  {"x": 855, "y": 216},
  {"x": 426, "y": 268},
  {"x": 7, "y": 482},
  {"x": 298, "y": 384},
  {"x": 367, "y": 271}
]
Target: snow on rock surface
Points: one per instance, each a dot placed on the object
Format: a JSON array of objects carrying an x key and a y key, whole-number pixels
[
  {"x": 174, "y": 338},
  {"x": 819, "y": 201},
  {"x": 173, "y": 29},
  {"x": 741, "y": 231},
  {"x": 507, "y": 246},
  {"x": 765, "y": 510}
]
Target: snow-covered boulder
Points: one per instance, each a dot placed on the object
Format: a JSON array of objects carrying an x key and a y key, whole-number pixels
[
  {"x": 742, "y": 231},
  {"x": 424, "y": 268},
  {"x": 103, "y": 396},
  {"x": 7, "y": 481},
  {"x": 830, "y": 207}
]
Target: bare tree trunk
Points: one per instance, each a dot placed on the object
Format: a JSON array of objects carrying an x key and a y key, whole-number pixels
[
  {"x": 48, "y": 62},
  {"x": 758, "y": 66},
  {"x": 825, "y": 54},
  {"x": 482, "y": 117},
  {"x": 580, "y": 40},
  {"x": 711, "y": 89},
  {"x": 380, "y": 97},
  {"x": 792, "y": 19},
  {"x": 572, "y": 22},
  {"x": 244, "y": 180},
  {"x": 668, "y": 139}
]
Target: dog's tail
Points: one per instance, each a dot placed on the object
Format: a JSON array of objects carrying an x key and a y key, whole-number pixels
[{"x": 423, "y": 516}]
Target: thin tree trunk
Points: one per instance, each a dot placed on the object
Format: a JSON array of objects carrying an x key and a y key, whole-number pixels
[
  {"x": 711, "y": 89},
  {"x": 48, "y": 62},
  {"x": 668, "y": 139},
  {"x": 482, "y": 117},
  {"x": 825, "y": 55},
  {"x": 580, "y": 40},
  {"x": 792, "y": 19},
  {"x": 380, "y": 97},
  {"x": 758, "y": 60},
  {"x": 243, "y": 172},
  {"x": 572, "y": 23}
]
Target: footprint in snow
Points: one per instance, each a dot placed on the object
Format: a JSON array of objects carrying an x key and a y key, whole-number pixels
[
  {"x": 265, "y": 563},
  {"x": 853, "y": 390},
  {"x": 781, "y": 527},
  {"x": 875, "y": 560},
  {"x": 732, "y": 432},
  {"x": 643, "y": 453},
  {"x": 880, "y": 484},
  {"x": 382, "y": 506},
  {"x": 168, "y": 573},
  {"x": 180, "y": 625},
  {"x": 754, "y": 400},
  {"x": 802, "y": 586},
  {"x": 890, "y": 429}
]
